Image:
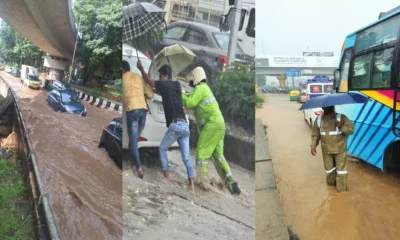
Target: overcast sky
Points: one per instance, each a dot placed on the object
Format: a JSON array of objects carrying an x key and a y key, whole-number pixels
[{"x": 287, "y": 27}]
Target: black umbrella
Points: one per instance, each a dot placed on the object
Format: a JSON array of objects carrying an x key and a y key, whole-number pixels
[{"x": 139, "y": 18}]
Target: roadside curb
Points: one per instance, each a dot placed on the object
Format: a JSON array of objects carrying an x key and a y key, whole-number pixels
[
  {"x": 99, "y": 102},
  {"x": 270, "y": 221}
]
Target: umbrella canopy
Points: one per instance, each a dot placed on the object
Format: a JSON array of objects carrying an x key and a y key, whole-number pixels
[
  {"x": 176, "y": 56},
  {"x": 333, "y": 100},
  {"x": 139, "y": 18}
]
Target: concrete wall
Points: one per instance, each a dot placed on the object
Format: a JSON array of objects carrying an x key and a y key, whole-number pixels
[{"x": 236, "y": 150}]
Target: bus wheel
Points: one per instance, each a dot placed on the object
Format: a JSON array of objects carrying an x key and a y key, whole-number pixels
[{"x": 391, "y": 159}]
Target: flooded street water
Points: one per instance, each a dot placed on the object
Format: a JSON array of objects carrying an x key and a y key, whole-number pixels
[
  {"x": 84, "y": 184},
  {"x": 370, "y": 210},
  {"x": 157, "y": 209}
]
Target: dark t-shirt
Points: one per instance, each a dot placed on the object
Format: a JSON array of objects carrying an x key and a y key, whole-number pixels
[{"x": 171, "y": 93}]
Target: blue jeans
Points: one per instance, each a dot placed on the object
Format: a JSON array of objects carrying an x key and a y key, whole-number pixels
[
  {"x": 180, "y": 132},
  {"x": 135, "y": 120}
]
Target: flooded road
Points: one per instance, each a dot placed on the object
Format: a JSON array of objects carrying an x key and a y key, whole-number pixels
[
  {"x": 84, "y": 184},
  {"x": 157, "y": 209},
  {"x": 370, "y": 210}
]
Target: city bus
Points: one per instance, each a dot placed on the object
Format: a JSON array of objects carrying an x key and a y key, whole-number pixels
[{"x": 370, "y": 65}]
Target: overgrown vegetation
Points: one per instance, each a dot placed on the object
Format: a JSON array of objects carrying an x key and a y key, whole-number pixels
[
  {"x": 15, "y": 50},
  {"x": 235, "y": 94},
  {"x": 100, "y": 47},
  {"x": 259, "y": 101},
  {"x": 14, "y": 223}
]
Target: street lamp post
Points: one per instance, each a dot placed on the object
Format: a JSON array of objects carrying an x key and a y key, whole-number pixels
[{"x": 73, "y": 56}]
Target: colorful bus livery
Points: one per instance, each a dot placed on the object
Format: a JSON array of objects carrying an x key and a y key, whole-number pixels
[{"x": 370, "y": 65}]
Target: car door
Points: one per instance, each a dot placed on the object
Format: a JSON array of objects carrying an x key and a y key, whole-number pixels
[
  {"x": 175, "y": 33},
  {"x": 57, "y": 99},
  {"x": 118, "y": 144},
  {"x": 197, "y": 40}
]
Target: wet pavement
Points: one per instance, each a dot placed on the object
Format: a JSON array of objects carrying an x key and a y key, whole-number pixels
[
  {"x": 84, "y": 184},
  {"x": 157, "y": 209},
  {"x": 370, "y": 210}
]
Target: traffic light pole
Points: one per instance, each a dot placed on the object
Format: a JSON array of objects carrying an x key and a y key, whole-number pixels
[{"x": 234, "y": 29}]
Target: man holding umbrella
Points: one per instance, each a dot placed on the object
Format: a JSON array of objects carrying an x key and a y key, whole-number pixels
[
  {"x": 211, "y": 127},
  {"x": 178, "y": 127},
  {"x": 333, "y": 129}
]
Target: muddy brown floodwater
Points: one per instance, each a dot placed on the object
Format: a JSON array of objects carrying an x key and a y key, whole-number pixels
[
  {"x": 84, "y": 184},
  {"x": 370, "y": 210}
]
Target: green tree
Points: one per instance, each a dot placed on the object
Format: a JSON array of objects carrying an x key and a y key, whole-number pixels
[
  {"x": 16, "y": 50},
  {"x": 100, "y": 46}
]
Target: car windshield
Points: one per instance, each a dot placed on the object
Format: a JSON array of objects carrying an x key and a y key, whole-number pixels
[
  {"x": 68, "y": 98},
  {"x": 222, "y": 40},
  {"x": 32, "y": 77}
]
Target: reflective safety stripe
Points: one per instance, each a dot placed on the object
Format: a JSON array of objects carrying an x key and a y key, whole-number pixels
[
  {"x": 329, "y": 171},
  {"x": 341, "y": 172},
  {"x": 207, "y": 101},
  {"x": 229, "y": 174},
  {"x": 337, "y": 132},
  {"x": 202, "y": 163},
  {"x": 221, "y": 159}
]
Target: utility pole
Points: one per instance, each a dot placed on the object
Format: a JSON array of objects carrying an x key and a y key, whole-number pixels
[
  {"x": 73, "y": 56},
  {"x": 234, "y": 28}
]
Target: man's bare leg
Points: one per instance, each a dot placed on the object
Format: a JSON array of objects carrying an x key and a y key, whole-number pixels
[
  {"x": 166, "y": 175},
  {"x": 191, "y": 185}
]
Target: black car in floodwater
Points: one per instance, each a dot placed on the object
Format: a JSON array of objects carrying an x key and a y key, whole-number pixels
[
  {"x": 111, "y": 140},
  {"x": 15, "y": 72},
  {"x": 65, "y": 101}
]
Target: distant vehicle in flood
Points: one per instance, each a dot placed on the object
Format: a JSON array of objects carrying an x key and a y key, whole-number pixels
[{"x": 29, "y": 77}]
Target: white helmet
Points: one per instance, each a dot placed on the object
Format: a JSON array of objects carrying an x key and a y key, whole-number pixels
[{"x": 196, "y": 75}]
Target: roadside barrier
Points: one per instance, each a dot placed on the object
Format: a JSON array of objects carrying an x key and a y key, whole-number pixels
[
  {"x": 100, "y": 102},
  {"x": 43, "y": 214}
]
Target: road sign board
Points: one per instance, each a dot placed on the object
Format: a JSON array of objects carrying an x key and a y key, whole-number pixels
[{"x": 293, "y": 73}]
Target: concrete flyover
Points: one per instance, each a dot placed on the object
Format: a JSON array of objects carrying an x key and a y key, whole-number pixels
[{"x": 48, "y": 24}]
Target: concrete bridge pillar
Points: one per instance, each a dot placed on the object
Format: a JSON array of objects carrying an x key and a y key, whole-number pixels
[
  {"x": 282, "y": 80},
  {"x": 56, "y": 66}
]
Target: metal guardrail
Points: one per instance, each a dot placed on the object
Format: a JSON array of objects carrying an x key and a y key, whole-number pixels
[{"x": 43, "y": 200}]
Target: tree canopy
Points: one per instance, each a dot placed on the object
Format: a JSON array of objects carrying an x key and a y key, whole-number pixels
[
  {"x": 16, "y": 50},
  {"x": 100, "y": 48}
]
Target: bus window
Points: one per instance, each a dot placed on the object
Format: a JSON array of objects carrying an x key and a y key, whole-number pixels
[
  {"x": 315, "y": 88},
  {"x": 381, "y": 71},
  {"x": 328, "y": 88},
  {"x": 342, "y": 84},
  {"x": 361, "y": 72},
  {"x": 384, "y": 32},
  {"x": 242, "y": 17},
  {"x": 251, "y": 26}
]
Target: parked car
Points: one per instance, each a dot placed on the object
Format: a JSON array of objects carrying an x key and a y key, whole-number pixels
[
  {"x": 111, "y": 140},
  {"x": 15, "y": 72},
  {"x": 302, "y": 97},
  {"x": 8, "y": 69},
  {"x": 63, "y": 86},
  {"x": 65, "y": 101},
  {"x": 155, "y": 127},
  {"x": 208, "y": 43}
]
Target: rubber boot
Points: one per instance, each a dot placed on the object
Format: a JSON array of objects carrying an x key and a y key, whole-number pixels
[{"x": 235, "y": 189}]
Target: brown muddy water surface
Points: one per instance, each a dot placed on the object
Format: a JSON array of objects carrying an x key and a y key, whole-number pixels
[
  {"x": 370, "y": 210},
  {"x": 84, "y": 184}
]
